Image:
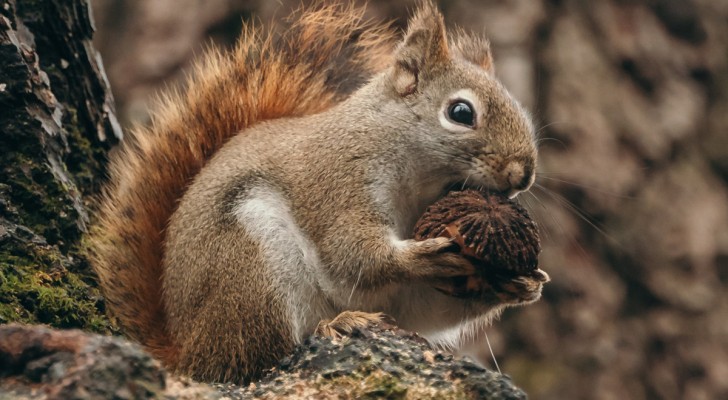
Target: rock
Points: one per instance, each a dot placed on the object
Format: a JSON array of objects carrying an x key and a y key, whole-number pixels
[
  {"x": 42, "y": 363},
  {"x": 378, "y": 362}
]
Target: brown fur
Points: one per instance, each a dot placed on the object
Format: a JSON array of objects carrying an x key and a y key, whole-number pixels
[
  {"x": 265, "y": 77},
  {"x": 219, "y": 251}
]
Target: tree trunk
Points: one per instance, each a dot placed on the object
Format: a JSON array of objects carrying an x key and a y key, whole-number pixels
[{"x": 56, "y": 125}]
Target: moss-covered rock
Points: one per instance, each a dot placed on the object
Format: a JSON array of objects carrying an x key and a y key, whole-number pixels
[{"x": 37, "y": 285}]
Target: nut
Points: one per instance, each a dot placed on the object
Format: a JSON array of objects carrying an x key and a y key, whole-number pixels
[{"x": 496, "y": 233}]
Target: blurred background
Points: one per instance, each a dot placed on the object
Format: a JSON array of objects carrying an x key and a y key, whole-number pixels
[{"x": 631, "y": 101}]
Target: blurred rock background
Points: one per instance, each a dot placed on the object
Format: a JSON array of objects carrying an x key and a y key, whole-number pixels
[{"x": 631, "y": 101}]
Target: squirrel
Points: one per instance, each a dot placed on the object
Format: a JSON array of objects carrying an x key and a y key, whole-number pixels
[{"x": 276, "y": 194}]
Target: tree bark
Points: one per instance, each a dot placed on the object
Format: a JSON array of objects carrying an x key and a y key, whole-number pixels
[{"x": 56, "y": 125}]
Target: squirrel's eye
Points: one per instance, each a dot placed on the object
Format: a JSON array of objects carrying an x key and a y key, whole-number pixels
[{"x": 462, "y": 113}]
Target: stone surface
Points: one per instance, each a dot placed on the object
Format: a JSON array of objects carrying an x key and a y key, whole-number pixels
[
  {"x": 40, "y": 363},
  {"x": 380, "y": 362}
]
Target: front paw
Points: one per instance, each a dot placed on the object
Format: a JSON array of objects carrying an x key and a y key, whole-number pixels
[
  {"x": 493, "y": 288},
  {"x": 436, "y": 258},
  {"x": 434, "y": 246},
  {"x": 521, "y": 289}
]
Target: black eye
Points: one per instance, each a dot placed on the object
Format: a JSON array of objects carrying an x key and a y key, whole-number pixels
[{"x": 462, "y": 113}]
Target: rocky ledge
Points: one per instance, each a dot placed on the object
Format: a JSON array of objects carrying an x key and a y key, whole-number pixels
[{"x": 378, "y": 362}]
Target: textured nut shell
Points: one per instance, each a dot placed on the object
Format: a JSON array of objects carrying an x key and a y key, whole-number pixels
[{"x": 490, "y": 228}]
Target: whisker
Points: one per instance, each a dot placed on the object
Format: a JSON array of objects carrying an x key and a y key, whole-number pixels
[
  {"x": 549, "y": 173},
  {"x": 592, "y": 188},
  {"x": 577, "y": 211},
  {"x": 554, "y": 221},
  {"x": 543, "y": 128},
  {"x": 570, "y": 237},
  {"x": 353, "y": 289},
  {"x": 541, "y": 140},
  {"x": 542, "y": 225},
  {"x": 466, "y": 181},
  {"x": 491, "y": 352}
]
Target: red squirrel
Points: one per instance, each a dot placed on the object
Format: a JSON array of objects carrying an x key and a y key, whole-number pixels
[{"x": 281, "y": 186}]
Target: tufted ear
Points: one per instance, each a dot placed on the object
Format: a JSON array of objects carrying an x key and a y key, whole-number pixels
[
  {"x": 474, "y": 49},
  {"x": 423, "y": 50}
]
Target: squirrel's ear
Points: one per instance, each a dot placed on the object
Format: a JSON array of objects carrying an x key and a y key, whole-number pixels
[
  {"x": 474, "y": 49},
  {"x": 422, "y": 51}
]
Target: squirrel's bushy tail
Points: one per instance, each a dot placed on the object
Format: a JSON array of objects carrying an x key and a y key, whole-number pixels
[{"x": 319, "y": 60}]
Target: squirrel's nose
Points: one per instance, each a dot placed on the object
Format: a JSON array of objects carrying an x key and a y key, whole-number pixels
[{"x": 518, "y": 177}]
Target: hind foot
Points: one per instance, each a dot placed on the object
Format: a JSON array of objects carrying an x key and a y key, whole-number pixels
[{"x": 345, "y": 323}]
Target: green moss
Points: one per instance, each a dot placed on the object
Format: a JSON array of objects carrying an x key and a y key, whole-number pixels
[
  {"x": 36, "y": 286},
  {"x": 384, "y": 386},
  {"x": 46, "y": 209},
  {"x": 86, "y": 159}
]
